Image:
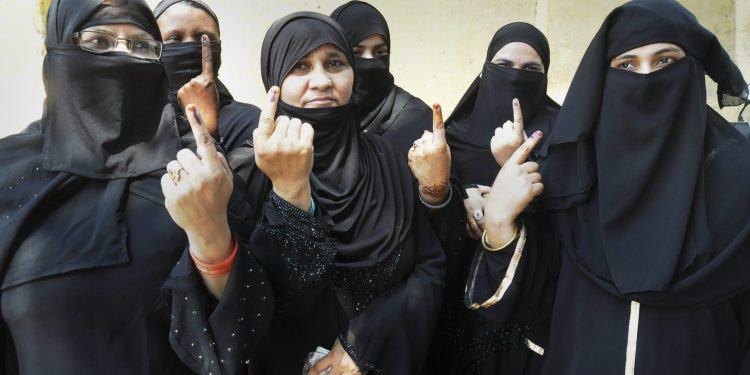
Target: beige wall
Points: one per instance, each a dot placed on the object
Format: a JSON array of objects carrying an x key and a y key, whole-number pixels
[{"x": 438, "y": 45}]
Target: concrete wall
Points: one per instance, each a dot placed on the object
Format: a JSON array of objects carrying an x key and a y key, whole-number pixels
[{"x": 438, "y": 45}]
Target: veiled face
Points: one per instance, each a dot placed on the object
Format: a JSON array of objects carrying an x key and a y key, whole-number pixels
[
  {"x": 322, "y": 79},
  {"x": 371, "y": 47},
  {"x": 519, "y": 55},
  {"x": 649, "y": 58},
  {"x": 185, "y": 23}
]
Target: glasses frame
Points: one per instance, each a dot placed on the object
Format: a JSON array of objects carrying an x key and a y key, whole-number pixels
[{"x": 128, "y": 43}]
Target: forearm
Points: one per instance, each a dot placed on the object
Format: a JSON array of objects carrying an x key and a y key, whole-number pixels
[{"x": 212, "y": 246}]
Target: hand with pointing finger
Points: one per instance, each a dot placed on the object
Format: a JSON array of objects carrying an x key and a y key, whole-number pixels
[
  {"x": 197, "y": 188},
  {"x": 515, "y": 186},
  {"x": 284, "y": 152},
  {"x": 201, "y": 91},
  {"x": 508, "y": 137},
  {"x": 430, "y": 161}
]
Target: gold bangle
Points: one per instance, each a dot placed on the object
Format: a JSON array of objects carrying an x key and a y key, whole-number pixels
[{"x": 487, "y": 246}]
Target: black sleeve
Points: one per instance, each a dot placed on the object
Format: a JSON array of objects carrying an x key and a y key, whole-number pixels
[
  {"x": 520, "y": 277},
  {"x": 395, "y": 329},
  {"x": 301, "y": 261},
  {"x": 213, "y": 336}
]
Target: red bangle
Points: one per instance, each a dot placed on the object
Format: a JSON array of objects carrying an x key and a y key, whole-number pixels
[{"x": 216, "y": 269}]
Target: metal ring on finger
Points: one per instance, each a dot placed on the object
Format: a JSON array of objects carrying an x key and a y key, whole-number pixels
[
  {"x": 174, "y": 174},
  {"x": 478, "y": 215}
]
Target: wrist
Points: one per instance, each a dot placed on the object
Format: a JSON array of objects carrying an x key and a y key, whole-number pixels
[
  {"x": 212, "y": 244},
  {"x": 297, "y": 194},
  {"x": 497, "y": 234},
  {"x": 434, "y": 194}
]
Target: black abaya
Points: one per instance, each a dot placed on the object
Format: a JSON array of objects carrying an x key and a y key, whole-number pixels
[{"x": 645, "y": 243}]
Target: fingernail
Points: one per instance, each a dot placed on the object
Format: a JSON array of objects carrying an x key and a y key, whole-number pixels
[
  {"x": 537, "y": 134},
  {"x": 515, "y": 102},
  {"x": 204, "y": 40},
  {"x": 273, "y": 95}
]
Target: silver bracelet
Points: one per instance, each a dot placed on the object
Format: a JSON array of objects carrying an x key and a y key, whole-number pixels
[{"x": 450, "y": 195}]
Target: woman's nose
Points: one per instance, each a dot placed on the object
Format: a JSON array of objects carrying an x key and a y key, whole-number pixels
[
  {"x": 122, "y": 45},
  {"x": 320, "y": 79}
]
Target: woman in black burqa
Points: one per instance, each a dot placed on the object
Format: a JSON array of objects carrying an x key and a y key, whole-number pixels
[
  {"x": 516, "y": 67},
  {"x": 182, "y": 22},
  {"x": 384, "y": 108},
  {"x": 643, "y": 227},
  {"x": 376, "y": 295},
  {"x": 95, "y": 274}
]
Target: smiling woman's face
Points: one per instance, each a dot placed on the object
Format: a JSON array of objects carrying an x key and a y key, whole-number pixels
[
  {"x": 649, "y": 58},
  {"x": 322, "y": 79}
]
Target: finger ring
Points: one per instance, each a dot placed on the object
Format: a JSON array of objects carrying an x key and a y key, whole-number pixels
[
  {"x": 478, "y": 215},
  {"x": 174, "y": 174},
  {"x": 472, "y": 223}
]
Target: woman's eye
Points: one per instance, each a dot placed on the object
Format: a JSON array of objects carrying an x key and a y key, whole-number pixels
[
  {"x": 666, "y": 60},
  {"x": 533, "y": 68},
  {"x": 381, "y": 52},
  {"x": 299, "y": 66},
  {"x": 97, "y": 42},
  {"x": 626, "y": 65},
  {"x": 503, "y": 64},
  {"x": 334, "y": 64},
  {"x": 357, "y": 52},
  {"x": 174, "y": 38},
  {"x": 141, "y": 46}
]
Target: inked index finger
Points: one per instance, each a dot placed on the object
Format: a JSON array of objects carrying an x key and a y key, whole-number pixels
[
  {"x": 208, "y": 57},
  {"x": 438, "y": 126},
  {"x": 518, "y": 119},
  {"x": 267, "y": 122},
  {"x": 522, "y": 153},
  {"x": 205, "y": 143}
]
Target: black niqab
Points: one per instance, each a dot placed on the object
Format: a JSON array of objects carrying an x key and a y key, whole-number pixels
[
  {"x": 373, "y": 91},
  {"x": 366, "y": 191},
  {"x": 487, "y": 104},
  {"x": 662, "y": 212},
  {"x": 104, "y": 113}
]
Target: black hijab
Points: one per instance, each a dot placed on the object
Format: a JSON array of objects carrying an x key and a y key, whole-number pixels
[
  {"x": 182, "y": 61},
  {"x": 65, "y": 179},
  {"x": 657, "y": 176},
  {"x": 103, "y": 116},
  {"x": 356, "y": 178},
  {"x": 486, "y": 105},
  {"x": 374, "y": 86}
]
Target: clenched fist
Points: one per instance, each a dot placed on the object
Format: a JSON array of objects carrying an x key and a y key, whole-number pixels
[
  {"x": 430, "y": 161},
  {"x": 284, "y": 152}
]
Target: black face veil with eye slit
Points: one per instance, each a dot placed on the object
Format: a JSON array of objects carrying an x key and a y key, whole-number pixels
[
  {"x": 649, "y": 166},
  {"x": 486, "y": 105}
]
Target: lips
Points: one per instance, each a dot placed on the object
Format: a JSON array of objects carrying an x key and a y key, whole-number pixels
[{"x": 321, "y": 101}]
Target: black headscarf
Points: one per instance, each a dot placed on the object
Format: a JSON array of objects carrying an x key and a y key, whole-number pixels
[
  {"x": 663, "y": 203},
  {"x": 103, "y": 116},
  {"x": 487, "y": 104},
  {"x": 372, "y": 92},
  {"x": 106, "y": 123},
  {"x": 364, "y": 187}
]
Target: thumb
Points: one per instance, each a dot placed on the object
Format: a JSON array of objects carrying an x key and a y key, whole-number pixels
[{"x": 522, "y": 153}]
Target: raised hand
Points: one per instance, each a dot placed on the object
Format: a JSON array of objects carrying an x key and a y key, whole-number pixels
[
  {"x": 517, "y": 184},
  {"x": 197, "y": 187},
  {"x": 508, "y": 137},
  {"x": 284, "y": 152},
  {"x": 430, "y": 161},
  {"x": 202, "y": 92},
  {"x": 337, "y": 361}
]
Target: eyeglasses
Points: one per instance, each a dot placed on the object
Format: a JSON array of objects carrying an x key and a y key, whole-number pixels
[{"x": 101, "y": 42}]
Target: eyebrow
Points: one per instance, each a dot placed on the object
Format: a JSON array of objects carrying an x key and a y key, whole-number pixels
[
  {"x": 138, "y": 35},
  {"x": 376, "y": 47},
  {"x": 659, "y": 52},
  {"x": 334, "y": 54}
]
